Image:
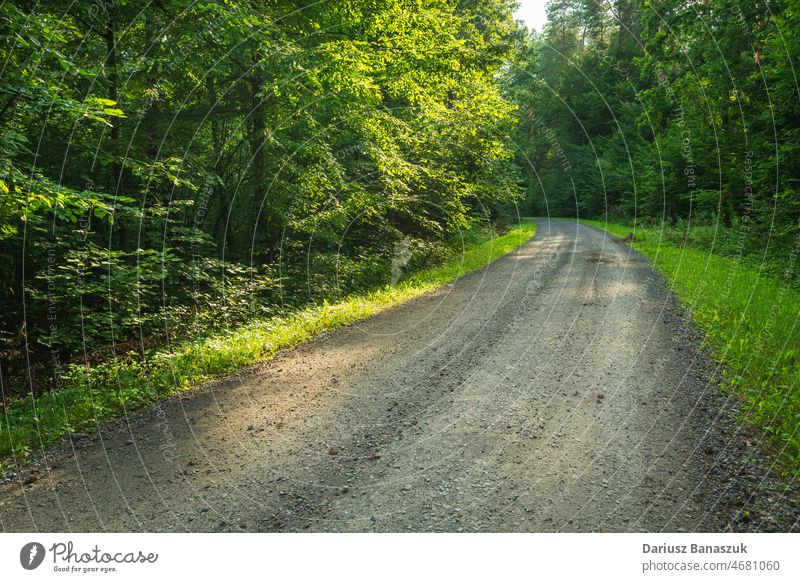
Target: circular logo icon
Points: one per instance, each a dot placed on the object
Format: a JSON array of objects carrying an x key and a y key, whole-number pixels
[{"x": 31, "y": 555}]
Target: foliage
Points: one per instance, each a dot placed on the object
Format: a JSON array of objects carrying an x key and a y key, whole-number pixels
[
  {"x": 170, "y": 169},
  {"x": 664, "y": 111}
]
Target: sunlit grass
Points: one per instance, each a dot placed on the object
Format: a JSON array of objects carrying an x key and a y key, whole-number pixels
[
  {"x": 751, "y": 321},
  {"x": 93, "y": 395}
]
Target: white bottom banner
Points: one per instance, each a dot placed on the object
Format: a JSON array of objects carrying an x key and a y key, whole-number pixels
[{"x": 355, "y": 557}]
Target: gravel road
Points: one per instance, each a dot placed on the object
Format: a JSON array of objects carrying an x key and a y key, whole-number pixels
[{"x": 561, "y": 388}]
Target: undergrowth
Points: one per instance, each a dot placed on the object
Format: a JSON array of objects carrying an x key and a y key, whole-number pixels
[{"x": 92, "y": 395}]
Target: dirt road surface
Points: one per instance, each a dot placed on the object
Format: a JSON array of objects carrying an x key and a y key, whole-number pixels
[{"x": 559, "y": 389}]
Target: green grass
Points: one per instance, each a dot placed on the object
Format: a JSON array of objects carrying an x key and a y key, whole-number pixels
[
  {"x": 751, "y": 322},
  {"x": 94, "y": 395}
]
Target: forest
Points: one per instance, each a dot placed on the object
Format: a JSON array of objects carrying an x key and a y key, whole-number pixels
[
  {"x": 670, "y": 113},
  {"x": 174, "y": 167},
  {"x": 171, "y": 169}
]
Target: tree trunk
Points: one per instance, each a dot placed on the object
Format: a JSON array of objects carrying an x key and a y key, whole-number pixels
[
  {"x": 262, "y": 217},
  {"x": 112, "y": 76}
]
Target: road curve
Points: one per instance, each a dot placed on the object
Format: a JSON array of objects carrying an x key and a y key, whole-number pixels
[{"x": 558, "y": 389}]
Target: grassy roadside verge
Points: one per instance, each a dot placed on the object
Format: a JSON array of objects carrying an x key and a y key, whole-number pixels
[
  {"x": 752, "y": 324},
  {"x": 94, "y": 395}
]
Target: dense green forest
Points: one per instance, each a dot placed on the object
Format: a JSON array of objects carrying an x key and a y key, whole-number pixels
[
  {"x": 173, "y": 167},
  {"x": 667, "y": 112}
]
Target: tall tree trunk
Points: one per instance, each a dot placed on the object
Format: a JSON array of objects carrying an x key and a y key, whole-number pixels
[
  {"x": 151, "y": 104},
  {"x": 263, "y": 235},
  {"x": 217, "y": 167},
  {"x": 112, "y": 76}
]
